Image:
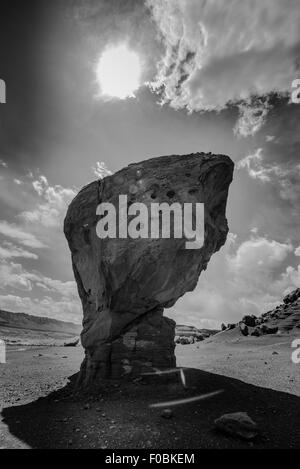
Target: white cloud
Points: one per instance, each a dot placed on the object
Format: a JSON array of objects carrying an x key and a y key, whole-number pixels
[
  {"x": 285, "y": 176},
  {"x": 63, "y": 309},
  {"x": 297, "y": 251},
  {"x": 252, "y": 118},
  {"x": 249, "y": 278},
  {"x": 219, "y": 52},
  {"x": 3, "y": 163},
  {"x": 13, "y": 275},
  {"x": 64, "y": 303},
  {"x": 9, "y": 250},
  {"x": 101, "y": 170},
  {"x": 51, "y": 211},
  {"x": 16, "y": 276},
  {"x": 270, "y": 138},
  {"x": 18, "y": 182},
  {"x": 17, "y": 233}
]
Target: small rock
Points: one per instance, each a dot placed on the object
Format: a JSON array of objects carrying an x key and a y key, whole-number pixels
[
  {"x": 237, "y": 424},
  {"x": 274, "y": 353},
  {"x": 244, "y": 329},
  {"x": 167, "y": 413},
  {"x": 87, "y": 407},
  {"x": 256, "y": 332}
]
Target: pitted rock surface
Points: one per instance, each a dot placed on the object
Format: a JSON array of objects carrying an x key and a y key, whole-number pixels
[{"x": 125, "y": 284}]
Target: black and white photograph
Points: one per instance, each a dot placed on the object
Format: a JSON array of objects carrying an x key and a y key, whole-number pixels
[{"x": 149, "y": 227}]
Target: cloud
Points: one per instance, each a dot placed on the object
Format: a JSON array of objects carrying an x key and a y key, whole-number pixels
[
  {"x": 51, "y": 211},
  {"x": 3, "y": 163},
  {"x": 16, "y": 232},
  {"x": 101, "y": 170},
  {"x": 9, "y": 250},
  {"x": 13, "y": 275},
  {"x": 247, "y": 278},
  {"x": 252, "y": 117},
  {"x": 284, "y": 175},
  {"x": 221, "y": 52},
  {"x": 61, "y": 301},
  {"x": 297, "y": 251}
]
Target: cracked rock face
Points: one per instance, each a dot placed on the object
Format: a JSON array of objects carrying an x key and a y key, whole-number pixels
[{"x": 124, "y": 283}]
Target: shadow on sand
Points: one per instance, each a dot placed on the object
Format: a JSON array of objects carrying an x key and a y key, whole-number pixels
[{"x": 118, "y": 416}]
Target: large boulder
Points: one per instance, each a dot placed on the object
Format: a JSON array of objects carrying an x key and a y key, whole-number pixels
[
  {"x": 250, "y": 321},
  {"x": 237, "y": 424},
  {"x": 124, "y": 283}
]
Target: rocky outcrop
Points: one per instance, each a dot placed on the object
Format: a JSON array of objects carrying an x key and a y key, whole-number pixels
[
  {"x": 124, "y": 283},
  {"x": 284, "y": 318}
]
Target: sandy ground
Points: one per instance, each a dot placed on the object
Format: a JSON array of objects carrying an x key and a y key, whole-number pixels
[
  {"x": 262, "y": 361},
  {"x": 256, "y": 375}
]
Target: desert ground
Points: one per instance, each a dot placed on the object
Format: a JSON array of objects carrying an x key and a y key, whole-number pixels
[{"x": 256, "y": 375}]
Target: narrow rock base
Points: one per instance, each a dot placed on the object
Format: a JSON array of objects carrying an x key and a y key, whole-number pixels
[{"x": 146, "y": 346}]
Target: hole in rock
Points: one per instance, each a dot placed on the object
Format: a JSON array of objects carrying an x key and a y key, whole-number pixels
[
  {"x": 170, "y": 194},
  {"x": 86, "y": 236},
  {"x": 193, "y": 191}
]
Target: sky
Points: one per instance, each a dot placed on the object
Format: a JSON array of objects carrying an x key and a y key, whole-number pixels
[{"x": 216, "y": 76}]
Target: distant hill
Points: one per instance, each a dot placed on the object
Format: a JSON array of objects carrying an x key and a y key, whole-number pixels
[
  {"x": 36, "y": 323},
  {"x": 192, "y": 331}
]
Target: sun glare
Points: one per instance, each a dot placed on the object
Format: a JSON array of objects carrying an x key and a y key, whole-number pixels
[{"x": 119, "y": 72}]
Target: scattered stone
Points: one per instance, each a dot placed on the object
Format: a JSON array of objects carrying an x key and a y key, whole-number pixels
[
  {"x": 237, "y": 424},
  {"x": 274, "y": 353},
  {"x": 167, "y": 413}
]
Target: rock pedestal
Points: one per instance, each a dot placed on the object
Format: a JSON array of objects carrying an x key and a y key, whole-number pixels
[{"x": 125, "y": 283}]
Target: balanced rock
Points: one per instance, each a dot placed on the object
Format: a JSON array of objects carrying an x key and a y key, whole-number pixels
[{"x": 125, "y": 283}]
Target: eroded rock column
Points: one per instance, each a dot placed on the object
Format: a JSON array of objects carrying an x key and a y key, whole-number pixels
[{"x": 125, "y": 284}]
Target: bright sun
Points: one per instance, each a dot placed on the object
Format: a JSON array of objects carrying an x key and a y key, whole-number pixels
[{"x": 119, "y": 72}]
